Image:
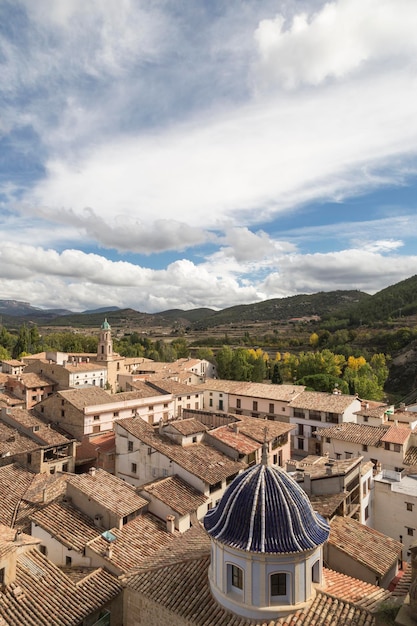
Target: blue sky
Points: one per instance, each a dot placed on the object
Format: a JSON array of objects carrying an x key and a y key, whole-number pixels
[{"x": 159, "y": 154}]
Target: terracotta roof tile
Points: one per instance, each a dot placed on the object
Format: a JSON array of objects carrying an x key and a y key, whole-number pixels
[
  {"x": 168, "y": 586},
  {"x": 190, "y": 426},
  {"x": 411, "y": 456},
  {"x": 66, "y": 524},
  {"x": 236, "y": 440},
  {"x": 354, "y": 433},
  {"x": 42, "y": 595},
  {"x": 321, "y": 401},
  {"x": 396, "y": 434},
  {"x": 200, "y": 459},
  {"x": 176, "y": 493},
  {"x": 369, "y": 547},
  {"x": 283, "y": 393},
  {"x": 140, "y": 538},
  {"x": 111, "y": 492}
]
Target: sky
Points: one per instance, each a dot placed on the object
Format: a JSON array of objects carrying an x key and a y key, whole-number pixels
[{"x": 160, "y": 154}]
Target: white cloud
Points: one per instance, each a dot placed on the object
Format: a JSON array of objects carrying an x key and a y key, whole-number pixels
[
  {"x": 347, "y": 269},
  {"x": 335, "y": 41},
  {"x": 77, "y": 281}
]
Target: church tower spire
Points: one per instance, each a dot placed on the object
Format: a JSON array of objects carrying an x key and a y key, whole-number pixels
[{"x": 105, "y": 343}]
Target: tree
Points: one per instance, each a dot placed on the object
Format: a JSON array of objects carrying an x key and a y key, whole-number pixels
[
  {"x": 276, "y": 375},
  {"x": 224, "y": 362},
  {"x": 314, "y": 340}
]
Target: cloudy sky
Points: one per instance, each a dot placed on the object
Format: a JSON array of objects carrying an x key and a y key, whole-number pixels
[{"x": 160, "y": 154}]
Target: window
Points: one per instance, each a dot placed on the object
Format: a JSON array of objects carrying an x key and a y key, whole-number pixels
[
  {"x": 301, "y": 430},
  {"x": 397, "y": 447},
  {"x": 62, "y": 413},
  {"x": 151, "y": 407},
  {"x": 409, "y": 506},
  {"x": 68, "y": 561},
  {"x": 364, "y": 448},
  {"x": 134, "y": 468},
  {"x": 315, "y": 415},
  {"x": 300, "y": 443},
  {"x": 365, "y": 418},
  {"x": 116, "y": 414},
  {"x": 43, "y": 550},
  {"x": 96, "y": 417},
  {"x": 386, "y": 445},
  {"x": 130, "y": 446},
  {"x": 410, "y": 532},
  {"x": 348, "y": 455},
  {"x": 279, "y": 584},
  {"x": 255, "y": 405},
  {"x": 237, "y": 577},
  {"x": 65, "y": 467},
  {"x": 298, "y": 413},
  {"x": 96, "y": 429},
  {"x": 366, "y": 512},
  {"x": 271, "y": 407},
  {"x": 338, "y": 456},
  {"x": 2, "y": 575},
  {"x": 29, "y": 458},
  {"x": 238, "y": 403},
  {"x": 328, "y": 440},
  {"x": 194, "y": 439}
]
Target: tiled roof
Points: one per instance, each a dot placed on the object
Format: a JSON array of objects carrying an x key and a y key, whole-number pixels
[
  {"x": 167, "y": 586},
  {"x": 283, "y": 393},
  {"x": 14, "y": 362},
  {"x": 7, "y": 400},
  {"x": 14, "y": 481},
  {"x": 84, "y": 366},
  {"x": 320, "y": 466},
  {"x": 321, "y": 401},
  {"x": 369, "y": 547},
  {"x": 85, "y": 396},
  {"x": 411, "y": 456},
  {"x": 199, "y": 459},
  {"x": 140, "y": 538},
  {"x": 111, "y": 492},
  {"x": 142, "y": 390},
  {"x": 354, "y": 433},
  {"x": 33, "y": 380},
  {"x": 41, "y": 431},
  {"x": 42, "y": 595},
  {"x": 363, "y": 594},
  {"x": 261, "y": 430},
  {"x": 13, "y": 442},
  {"x": 66, "y": 524},
  {"x": 21, "y": 493},
  {"x": 265, "y": 510},
  {"x": 176, "y": 493},
  {"x": 396, "y": 434},
  {"x": 236, "y": 440},
  {"x": 190, "y": 426},
  {"x": 167, "y": 385},
  {"x": 88, "y": 449},
  {"x": 327, "y": 504}
]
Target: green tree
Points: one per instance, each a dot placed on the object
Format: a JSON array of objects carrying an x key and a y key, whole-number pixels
[
  {"x": 224, "y": 362},
  {"x": 276, "y": 374}
]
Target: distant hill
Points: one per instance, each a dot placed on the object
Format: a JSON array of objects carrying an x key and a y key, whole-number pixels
[
  {"x": 399, "y": 300},
  {"x": 280, "y": 309},
  {"x": 354, "y": 306}
]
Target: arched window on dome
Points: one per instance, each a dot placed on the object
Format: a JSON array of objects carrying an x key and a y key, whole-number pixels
[
  {"x": 279, "y": 588},
  {"x": 234, "y": 578},
  {"x": 315, "y": 572}
]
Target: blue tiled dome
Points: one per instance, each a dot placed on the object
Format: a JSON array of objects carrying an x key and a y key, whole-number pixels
[{"x": 265, "y": 510}]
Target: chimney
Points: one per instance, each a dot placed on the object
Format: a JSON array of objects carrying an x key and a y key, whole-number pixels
[
  {"x": 171, "y": 524},
  {"x": 92, "y": 471},
  {"x": 109, "y": 551},
  {"x": 307, "y": 483}
]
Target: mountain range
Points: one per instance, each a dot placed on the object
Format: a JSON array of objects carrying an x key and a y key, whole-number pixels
[{"x": 352, "y": 306}]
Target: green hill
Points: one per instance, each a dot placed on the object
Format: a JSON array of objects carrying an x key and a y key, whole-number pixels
[{"x": 396, "y": 301}]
